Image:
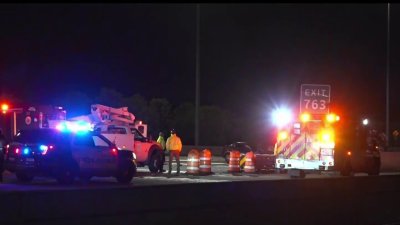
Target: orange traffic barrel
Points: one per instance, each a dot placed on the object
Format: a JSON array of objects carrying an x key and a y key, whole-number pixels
[
  {"x": 193, "y": 162},
  {"x": 234, "y": 158},
  {"x": 205, "y": 162},
  {"x": 250, "y": 162}
]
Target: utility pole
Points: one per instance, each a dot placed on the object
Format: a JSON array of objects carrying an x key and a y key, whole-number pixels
[
  {"x": 387, "y": 71},
  {"x": 196, "y": 131}
]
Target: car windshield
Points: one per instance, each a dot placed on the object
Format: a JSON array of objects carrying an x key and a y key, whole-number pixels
[{"x": 34, "y": 136}]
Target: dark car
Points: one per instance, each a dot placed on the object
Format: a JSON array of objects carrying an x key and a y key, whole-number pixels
[
  {"x": 242, "y": 147},
  {"x": 360, "y": 150},
  {"x": 66, "y": 155}
]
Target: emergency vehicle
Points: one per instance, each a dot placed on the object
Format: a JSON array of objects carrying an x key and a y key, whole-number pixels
[
  {"x": 306, "y": 141},
  {"x": 315, "y": 139},
  {"x": 118, "y": 125},
  {"x": 32, "y": 117}
]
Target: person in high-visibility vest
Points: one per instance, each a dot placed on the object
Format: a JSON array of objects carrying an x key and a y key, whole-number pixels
[
  {"x": 174, "y": 146},
  {"x": 161, "y": 142}
]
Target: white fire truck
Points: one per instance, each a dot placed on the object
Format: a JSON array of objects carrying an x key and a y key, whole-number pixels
[
  {"x": 307, "y": 141},
  {"x": 306, "y": 144},
  {"x": 118, "y": 125}
]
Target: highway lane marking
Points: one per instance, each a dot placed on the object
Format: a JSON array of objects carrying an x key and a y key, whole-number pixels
[{"x": 185, "y": 179}]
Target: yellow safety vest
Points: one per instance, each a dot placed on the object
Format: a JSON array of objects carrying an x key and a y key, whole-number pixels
[{"x": 174, "y": 143}]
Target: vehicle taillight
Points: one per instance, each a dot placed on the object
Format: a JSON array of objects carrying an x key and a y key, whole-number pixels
[
  {"x": 114, "y": 151},
  {"x": 17, "y": 151}
]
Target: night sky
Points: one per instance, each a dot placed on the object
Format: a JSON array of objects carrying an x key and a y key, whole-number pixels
[{"x": 253, "y": 56}]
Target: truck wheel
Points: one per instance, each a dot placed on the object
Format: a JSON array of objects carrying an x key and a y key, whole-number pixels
[
  {"x": 155, "y": 161},
  {"x": 24, "y": 177},
  {"x": 126, "y": 172}
]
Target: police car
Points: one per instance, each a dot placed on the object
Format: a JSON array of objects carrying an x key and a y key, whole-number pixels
[{"x": 67, "y": 155}]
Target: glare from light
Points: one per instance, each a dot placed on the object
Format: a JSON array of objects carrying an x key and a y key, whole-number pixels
[
  {"x": 74, "y": 126},
  {"x": 305, "y": 117},
  {"x": 281, "y": 117},
  {"x": 365, "y": 122},
  {"x": 44, "y": 149},
  {"x": 283, "y": 135},
  {"x": 26, "y": 151}
]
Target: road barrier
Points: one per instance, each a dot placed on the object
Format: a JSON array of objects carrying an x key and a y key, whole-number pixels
[
  {"x": 193, "y": 162},
  {"x": 242, "y": 161},
  {"x": 250, "y": 161},
  {"x": 234, "y": 158},
  {"x": 205, "y": 162}
]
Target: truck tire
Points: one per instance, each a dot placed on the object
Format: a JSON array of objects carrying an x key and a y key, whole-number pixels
[
  {"x": 155, "y": 161},
  {"x": 24, "y": 177},
  {"x": 126, "y": 172}
]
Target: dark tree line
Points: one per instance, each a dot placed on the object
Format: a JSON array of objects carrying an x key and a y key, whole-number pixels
[{"x": 217, "y": 126}]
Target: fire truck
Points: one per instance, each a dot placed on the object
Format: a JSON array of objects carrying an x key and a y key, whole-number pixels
[
  {"x": 316, "y": 140},
  {"x": 118, "y": 125},
  {"x": 32, "y": 117},
  {"x": 307, "y": 143}
]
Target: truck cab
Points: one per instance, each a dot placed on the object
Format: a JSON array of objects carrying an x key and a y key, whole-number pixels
[{"x": 126, "y": 137}]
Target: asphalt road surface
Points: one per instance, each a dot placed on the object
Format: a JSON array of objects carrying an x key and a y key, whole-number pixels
[{"x": 145, "y": 178}]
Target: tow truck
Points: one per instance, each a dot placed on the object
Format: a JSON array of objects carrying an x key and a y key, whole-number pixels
[{"x": 118, "y": 125}]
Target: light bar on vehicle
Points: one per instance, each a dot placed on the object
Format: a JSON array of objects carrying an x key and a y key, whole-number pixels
[{"x": 74, "y": 126}]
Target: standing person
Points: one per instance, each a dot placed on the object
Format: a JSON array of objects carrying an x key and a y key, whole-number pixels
[
  {"x": 161, "y": 142},
  {"x": 3, "y": 144},
  {"x": 174, "y": 146}
]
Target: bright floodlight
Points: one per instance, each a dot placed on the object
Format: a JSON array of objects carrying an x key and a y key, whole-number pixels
[
  {"x": 365, "y": 122},
  {"x": 281, "y": 117}
]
